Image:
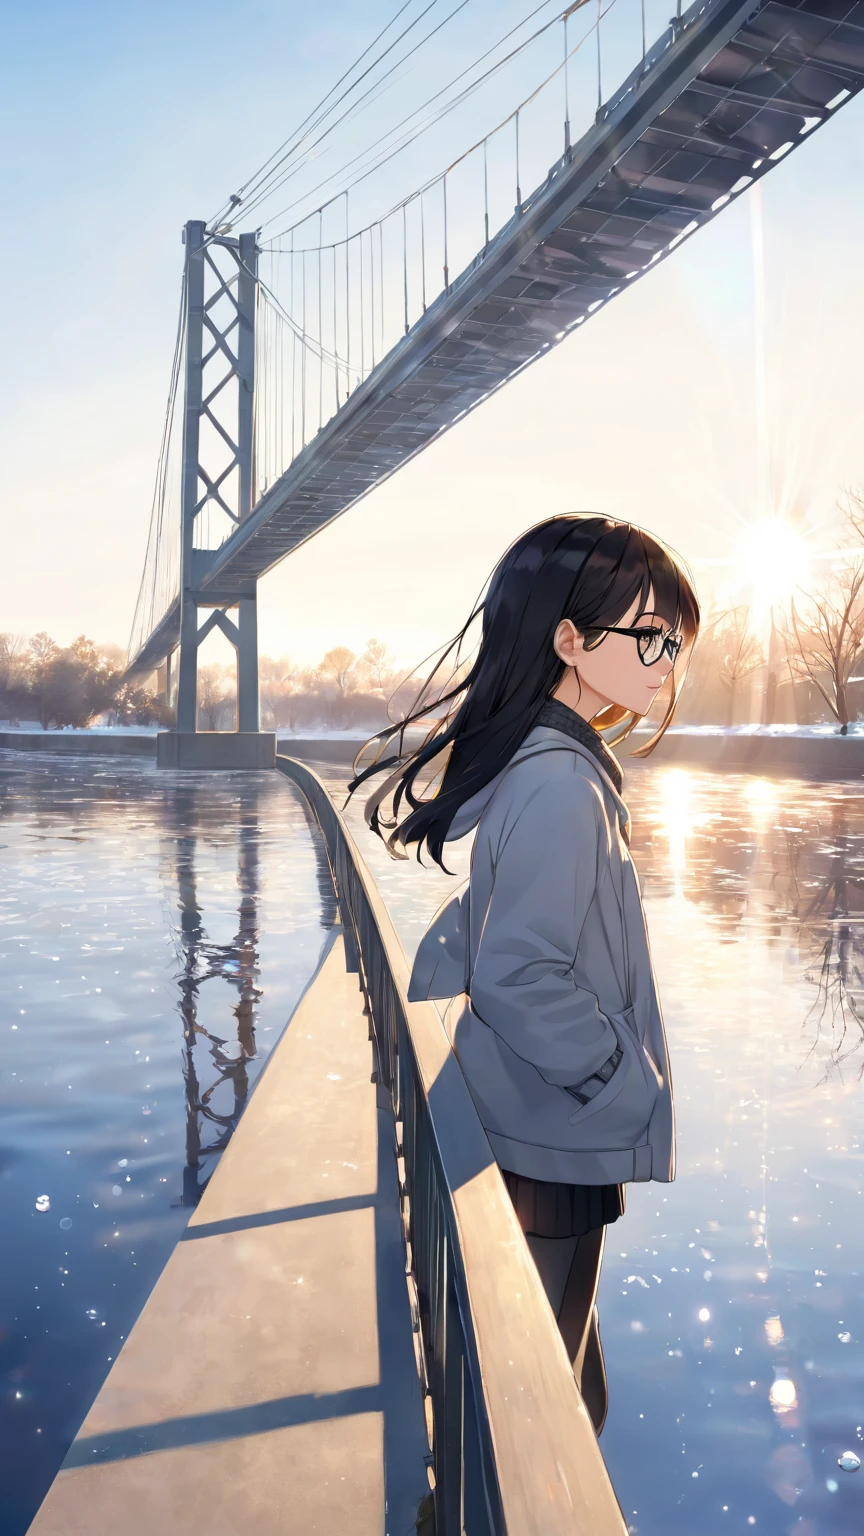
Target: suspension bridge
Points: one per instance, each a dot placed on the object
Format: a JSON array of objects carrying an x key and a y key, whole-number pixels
[{"x": 309, "y": 370}]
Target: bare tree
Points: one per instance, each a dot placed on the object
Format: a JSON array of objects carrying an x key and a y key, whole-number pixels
[
  {"x": 741, "y": 652},
  {"x": 279, "y": 686},
  {"x": 213, "y": 696},
  {"x": 827, "y": 639},
  {"x": 338, "y": 666},
  {"x": 853, "y": 512},
  {"x": 376, "y": 666},
  {"x": 13, "y": 649},
  {"x": 14, "y": 660}
]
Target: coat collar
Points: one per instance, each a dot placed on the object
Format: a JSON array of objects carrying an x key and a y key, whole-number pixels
[{"x": 542, "y": 738}]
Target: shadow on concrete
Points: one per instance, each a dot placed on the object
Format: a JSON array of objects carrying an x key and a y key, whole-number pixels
[
  {"x": 224, "y": 1424},
  {"x": 273, "y": 1218}
]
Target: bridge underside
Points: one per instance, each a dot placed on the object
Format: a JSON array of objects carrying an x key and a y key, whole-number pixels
[{"x": 718, "y": 101}]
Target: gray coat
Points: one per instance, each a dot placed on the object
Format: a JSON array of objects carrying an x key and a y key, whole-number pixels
[{"x": 545, "y": 956}]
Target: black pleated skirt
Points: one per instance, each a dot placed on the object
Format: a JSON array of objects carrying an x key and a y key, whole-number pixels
[{"x": 563, "y": 1210}]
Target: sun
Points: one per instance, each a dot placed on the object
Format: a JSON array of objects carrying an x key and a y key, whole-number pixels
[{"x": 772, "y": 560}]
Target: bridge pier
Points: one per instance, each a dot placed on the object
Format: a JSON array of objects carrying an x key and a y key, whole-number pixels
[
  {"x": 216, "y": 749},
  {"x": 209, "y": 340}
]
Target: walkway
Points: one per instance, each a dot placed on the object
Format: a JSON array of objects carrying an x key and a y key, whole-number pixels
[{"x": 269, "y": 1384}]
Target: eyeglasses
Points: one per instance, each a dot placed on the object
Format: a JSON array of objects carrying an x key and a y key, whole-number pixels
[{"x": 651, "y": 642}]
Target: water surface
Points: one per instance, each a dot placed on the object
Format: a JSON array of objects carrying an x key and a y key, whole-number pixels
[
  {"x": 731, "y": 1299},
  {"x": 156, "y": 931}
]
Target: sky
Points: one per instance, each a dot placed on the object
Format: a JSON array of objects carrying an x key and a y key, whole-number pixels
[{"x": 131, "y": 119}]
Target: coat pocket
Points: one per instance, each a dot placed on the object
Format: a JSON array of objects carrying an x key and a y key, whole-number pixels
[{"x": 628, "y": 1089}]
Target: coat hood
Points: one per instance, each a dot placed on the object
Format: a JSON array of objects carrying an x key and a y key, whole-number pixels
[{"x": 542, "y": 738}]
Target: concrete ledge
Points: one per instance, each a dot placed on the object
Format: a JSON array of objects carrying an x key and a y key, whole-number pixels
[
  {"x": 216, "y": 749},
  {"x": 80, "y": 743},
  {"x": 320, "y": 749},
  {"x": 824, "y": 757}
]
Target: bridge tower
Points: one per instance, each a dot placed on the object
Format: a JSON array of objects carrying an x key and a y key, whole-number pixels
[{"x": 220, "y": 276}]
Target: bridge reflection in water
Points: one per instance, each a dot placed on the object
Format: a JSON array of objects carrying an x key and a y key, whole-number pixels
[
  {"x": 203, "y": 961},
  {"x": 210, "y": 1120}
]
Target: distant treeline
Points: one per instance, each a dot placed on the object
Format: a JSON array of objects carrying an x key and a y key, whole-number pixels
[
  {"x": 342, "y": 691},
  {"x": 72, "y": 685},
  {"x": 83, "y": 684},
  {"x": 804, "y": 672}
]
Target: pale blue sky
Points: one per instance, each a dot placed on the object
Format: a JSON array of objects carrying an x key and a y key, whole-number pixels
[{"x": 124, "y": 121}]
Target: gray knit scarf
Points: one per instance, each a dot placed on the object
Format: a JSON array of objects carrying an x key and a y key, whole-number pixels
[{"x": 560, "y": 717}]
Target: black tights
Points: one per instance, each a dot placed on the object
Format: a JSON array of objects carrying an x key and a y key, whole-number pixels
[{"x": 569, "y": 1268}]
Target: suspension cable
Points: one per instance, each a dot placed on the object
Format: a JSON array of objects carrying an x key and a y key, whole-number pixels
[
  {"x": 433, "y": 118},
  {"x": 262, "y": 192},
  {"x": 317, "y": 115}
]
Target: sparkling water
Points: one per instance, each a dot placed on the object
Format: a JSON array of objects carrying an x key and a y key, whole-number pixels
[
  {"x": 156, "y": 930},
  {"x": 731, "y": 1300}
]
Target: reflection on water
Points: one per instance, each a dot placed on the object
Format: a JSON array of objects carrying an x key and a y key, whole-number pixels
[
  {"x": 731, "y": 1300},
  {"x": 201, "y": 960},
  {"x": 156, "y": 931}
]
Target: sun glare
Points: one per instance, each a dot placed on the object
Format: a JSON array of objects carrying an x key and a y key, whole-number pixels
[
  {"x": 677, "y": 817},
  {"x": 773, "y": 560}
]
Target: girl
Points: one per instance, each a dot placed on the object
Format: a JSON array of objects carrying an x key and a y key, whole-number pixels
[{"x": 554, "y": 1015}]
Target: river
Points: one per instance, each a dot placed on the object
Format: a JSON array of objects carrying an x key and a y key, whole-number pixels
[{"x": 156, "y": 932}]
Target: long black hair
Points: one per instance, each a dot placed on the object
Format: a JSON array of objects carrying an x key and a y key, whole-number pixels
[{"x": 579, "y": 566}]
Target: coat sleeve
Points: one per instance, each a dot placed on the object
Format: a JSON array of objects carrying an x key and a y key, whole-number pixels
[
  {"x": 545, "y": 876},
  {"x": 441, "y": 963}
]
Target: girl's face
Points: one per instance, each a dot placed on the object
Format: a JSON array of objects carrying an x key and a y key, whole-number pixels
[{"x": 613, "y": 670}]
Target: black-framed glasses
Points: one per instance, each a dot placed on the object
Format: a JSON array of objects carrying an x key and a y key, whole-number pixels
[{"x": 651, "y": 641}]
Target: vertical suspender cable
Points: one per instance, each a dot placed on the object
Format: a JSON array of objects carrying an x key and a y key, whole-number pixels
[
  {"x": 422, "y": 254},
  {"x": 335, "y": 338},
  {"x": 382, "y": 278},
  {"x": 256, "y": 399},
  {"x": 362, "y": 313},
  {"x": 320, "y": 325},
  {"x": 274, "y": 374},
  {"x": 599, "y": 80},
  {"x": 405, "y": 263},
  {"x": 282, "y": 464},
  {"x": 518, "y": 187},
  {"x": 303, "y": 361},
  {"x": 446, "y": 267},
  {"x": 265, "y": 404},
  {"x": 293, "y": 357},
  {"x": 567, "y": 81},
  {"x": 275, "y": 262},
  {"x": 270, "y": 391},
  {"x": 644, "y": 48},
  {"x": 485, "y": 195},
  {"x": 372, "y": 291},
  {"x": 346, "y": 306},
  {"x": 261, "y": 364}
]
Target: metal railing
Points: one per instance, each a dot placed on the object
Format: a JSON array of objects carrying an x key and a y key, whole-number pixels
[{"x": 513, "y": 1450}]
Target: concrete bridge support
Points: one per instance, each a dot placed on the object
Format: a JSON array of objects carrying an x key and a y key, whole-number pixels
[{"x": 209, "y": 341}]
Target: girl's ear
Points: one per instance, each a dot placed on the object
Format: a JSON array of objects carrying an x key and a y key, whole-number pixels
[{"x": 567, "y": 642}]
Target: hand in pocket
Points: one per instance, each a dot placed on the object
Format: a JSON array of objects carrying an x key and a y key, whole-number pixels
[{"x": 590, "y": 1086}]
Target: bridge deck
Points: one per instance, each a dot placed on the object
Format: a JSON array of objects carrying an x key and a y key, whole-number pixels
[{"x": 269, "y": 1385}]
